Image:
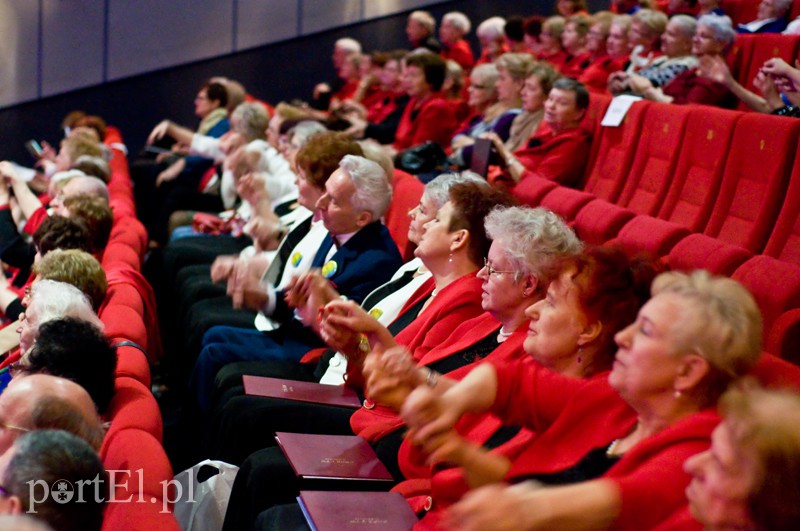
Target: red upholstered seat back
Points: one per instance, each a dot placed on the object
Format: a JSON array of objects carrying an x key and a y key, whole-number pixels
[
  {"x": 755, "y": 180},
  {"x": 615, "y": 148},
  {"x": 656, "y": 157},
  {"x": 407, "y": 193},
  {"x": 784, "y": 241},
  {"x": 700, "y": 167}
]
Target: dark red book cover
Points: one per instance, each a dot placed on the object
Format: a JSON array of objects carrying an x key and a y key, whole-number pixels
[
  {"x": 332, "y": 456},
  {"x": 332, "y": 395},
  {"x": 338, "y": 511}
]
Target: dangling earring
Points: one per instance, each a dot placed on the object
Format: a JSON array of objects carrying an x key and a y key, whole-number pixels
[
  {"x": 450, "y": 259},
  {"x": 677, "y": 394},
  {"x": 580, "y": 354}
]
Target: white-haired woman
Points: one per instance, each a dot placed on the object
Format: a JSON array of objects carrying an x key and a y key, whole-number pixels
[
  {"x": 51, "y": 300},
  {"x": 712, "y": 39},
  {"x": 492, "y": 36},
  {"x": 455, "y": 26}
]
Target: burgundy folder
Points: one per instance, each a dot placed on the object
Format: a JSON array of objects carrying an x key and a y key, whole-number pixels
[
  {"x": 332, "y": 457},
  {"x": 341, "y": 511},
  {"x": 331, "y": 395}
]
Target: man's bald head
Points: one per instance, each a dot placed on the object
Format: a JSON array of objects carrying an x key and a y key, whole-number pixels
[
  {"x": 86, "y": 185},
  {"x": 41, "y": 401}
]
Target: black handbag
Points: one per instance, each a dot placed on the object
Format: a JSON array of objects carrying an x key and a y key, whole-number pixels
[{"x": 427, "y": 157}]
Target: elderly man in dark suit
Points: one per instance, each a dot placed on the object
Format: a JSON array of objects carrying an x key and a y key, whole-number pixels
[{"x": 356, "y": 256}]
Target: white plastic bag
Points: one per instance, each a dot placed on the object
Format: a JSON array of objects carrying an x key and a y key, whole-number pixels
[{"x": 203, "y": 504}]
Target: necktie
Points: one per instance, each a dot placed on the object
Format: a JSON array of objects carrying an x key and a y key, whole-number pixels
[{"x": 322, "y": 253}]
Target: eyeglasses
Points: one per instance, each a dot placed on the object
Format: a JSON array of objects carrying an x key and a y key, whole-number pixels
[
  {"x": 6, "y": 426},
  {"x": 493, "y": 271},
  {"x": 17, "y": 368}
]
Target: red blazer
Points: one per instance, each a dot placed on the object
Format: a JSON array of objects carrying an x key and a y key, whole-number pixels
[
  {"x": 380, "y": 104},
  {"x": 456, "y": 303},
  {"x": 561, "y": 158},
  {"x": 426, "y": 120},
  {"x": 461, "y": 53}
]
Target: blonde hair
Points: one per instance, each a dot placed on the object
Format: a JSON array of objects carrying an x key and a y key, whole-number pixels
[
  {"x": 722, "y": 324},
  {"x": 654, "y": 21},
  {"x": 765, "y": 424}
]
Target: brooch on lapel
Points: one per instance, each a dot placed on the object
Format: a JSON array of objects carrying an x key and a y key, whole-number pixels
[{"x": 329, "y": 269}]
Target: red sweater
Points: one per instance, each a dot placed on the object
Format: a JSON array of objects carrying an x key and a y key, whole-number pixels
[
  {"x": 430, "y": 119},
  {"x": 576, "y": 416}
]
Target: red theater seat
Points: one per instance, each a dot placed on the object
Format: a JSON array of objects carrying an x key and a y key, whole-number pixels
[
  {"x": 784, "y": 241},
  {"x": 566, "y": 202},
  {"x": 755, "y": 180},
  {"x": 124, "y": 322},
  {"x": 141, "y": 475},
  {"x": 407, "y": 193},
  {"x": 600, "y": 221},
  {"x": 121, "y": 253},
  {"x": 656, "y": 158},
  {"x": 124, "y": 294},
  {"x": 653, "y": 236},
  {"x": 132, "y": 363},
  {"x": 134, "y": 406},
  {"x": 700, "y": 167},
  {"x": 535, "y": 189},
  {"x": 698, "y": 251},
  {"x": 612, "y": 154},
  {"x": 776, "y": 287}
]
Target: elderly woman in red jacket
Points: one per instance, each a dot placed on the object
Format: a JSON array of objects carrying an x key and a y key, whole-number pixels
[
  {"x": 609, "y": 452},
  {"x": 558, "y": 149},
  {"x": 428, "y": 115}
]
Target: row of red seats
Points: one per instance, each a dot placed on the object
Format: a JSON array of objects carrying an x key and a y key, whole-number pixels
[
  {"x": 132, "y": 445},
  {"x": 697, "y": 187}
]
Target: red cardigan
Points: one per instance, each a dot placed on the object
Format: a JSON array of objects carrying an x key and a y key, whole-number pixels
[
  {"x": 476, "y": 428},
  {"x": 461, "y": 53},
  {"x": 688, "y": 87},
  {"x": 456, "y": 303},
  {"x": 575, "y": 416},
  {"x": 429, "y": 119},
  {"x": 595, "y": 76}
]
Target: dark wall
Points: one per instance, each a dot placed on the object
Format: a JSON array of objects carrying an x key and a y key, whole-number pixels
[{"x": 275, "y": 72}]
